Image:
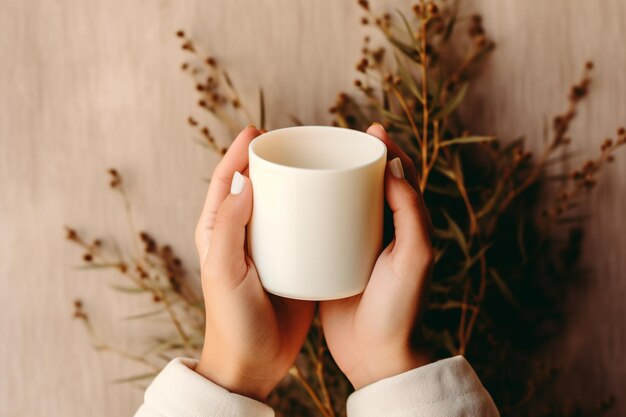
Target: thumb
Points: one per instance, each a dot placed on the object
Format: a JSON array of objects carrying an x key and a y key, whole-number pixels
[
  {"x": 410, "y": 219},
  {"x": 227, "y": 255}
]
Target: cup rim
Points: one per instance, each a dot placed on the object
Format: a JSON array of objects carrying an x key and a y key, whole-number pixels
[{"x": 366, "y": 136}]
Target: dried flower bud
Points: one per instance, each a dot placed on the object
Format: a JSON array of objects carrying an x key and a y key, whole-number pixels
[
  {"x": 184, "y": 66},
  {"x": 116, "y": 179},
  {"x": 589, "y": 65},
  {"x": 71, "y": 234},
  {"x": 621, "y": 131},
  {"x": 578, "y": 92},
  {"x": 364, "y": 21},
  {"x": 358, "y": 83},
  {"x": 87, "y": 257},
  {"x": 481, "y": 40},
  {"x": 180, "y": 34},
  {"x": 362, "y": 65},
  {"x": 188, "y": 46},
  {"x": 378, "y": 54},
  {"x": 432, "y": 9},
  {"x": 210, "y": 61},
  {"x": 364, "y": 4}
]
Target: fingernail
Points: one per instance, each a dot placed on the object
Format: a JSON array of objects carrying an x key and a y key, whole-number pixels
[
  {"x": 236, "y": 186},
  {"x": 395, "y": 166},
  {"x": 251, "y": 126}
]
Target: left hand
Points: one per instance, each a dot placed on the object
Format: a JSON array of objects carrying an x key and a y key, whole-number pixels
[{"x": 252, "y": 337}]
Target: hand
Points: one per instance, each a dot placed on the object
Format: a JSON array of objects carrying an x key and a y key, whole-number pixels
[
  {"x": 252, "y": 338},
  {"x": 370, "y": 335}
]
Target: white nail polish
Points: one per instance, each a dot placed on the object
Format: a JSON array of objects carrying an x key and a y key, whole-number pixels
[
  {"x": 395, "y": 166},
  {"x": 236, "y": 186}
]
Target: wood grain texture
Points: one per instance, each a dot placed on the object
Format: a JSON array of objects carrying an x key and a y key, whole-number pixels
[{"x": 89, "y": 85}]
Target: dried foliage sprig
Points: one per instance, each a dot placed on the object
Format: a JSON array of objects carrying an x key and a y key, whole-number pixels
[{"x": 499, "y": 259}]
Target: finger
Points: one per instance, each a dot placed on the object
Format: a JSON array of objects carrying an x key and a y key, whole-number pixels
[
  {"x": 227, "y": 255},
  {"x": 394, "y": 151},
  {"x": 235, "y": 159},
  {"x": 412, "y": 242}
]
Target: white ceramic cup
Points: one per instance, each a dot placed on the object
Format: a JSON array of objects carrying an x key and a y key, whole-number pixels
[{"x": 317, "y": 215}]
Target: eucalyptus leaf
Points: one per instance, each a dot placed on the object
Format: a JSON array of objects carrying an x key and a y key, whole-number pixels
[
  {"x": 407, "y": 78},
  {"x": 457, "y": 234},
  {"x": 261, "y": 109},
  {"x": 129, "y": 290},
  {"x": 144, "y": 315},
  {"x": 466, "y": 140},
  {"x": 452, "y": 104},
  {"x": 503, "y": 287},
  {"x": 135, "y": 378}
]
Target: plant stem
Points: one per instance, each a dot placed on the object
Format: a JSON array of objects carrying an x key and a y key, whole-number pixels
[{"x": 296, "y": 373}]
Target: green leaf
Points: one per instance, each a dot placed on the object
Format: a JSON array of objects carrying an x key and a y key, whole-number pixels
[
  {"x": 393, "y": 116},
  {"x": 134, "y": 378},
  {"x": 407, "y": 78},
  {"x": 98, "y": 266},
  {"x": 465, "y": 140},
  {"x": 295, "y": 120},
  {"x": 261, "y": 109},
  {"x": 504, "y": 289},
  {"x": 520, "y": 238},
  {"x": 440, "y": 252},
  {"x": 448, "y": 305},
  {"x": 452, "y": 104},
  {"x": 477, "y": 256},
  {"x": 130, "y": 290},
  {"x": 450, "y": 27},
  {"x": 144, "y": 315},
  {"x": 449, "y": 191},
  {"x": 201, "y": 142},
  {"x": 407, "y": 50},
  {"x": 228, "y": 80},
  {"x": 163, "y": 345},
  {"x": 457, "y": 234},
  {"x": 409, "y": 30}
]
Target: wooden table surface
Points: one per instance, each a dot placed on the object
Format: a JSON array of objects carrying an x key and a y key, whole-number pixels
[{"x": 86, "y": 85}]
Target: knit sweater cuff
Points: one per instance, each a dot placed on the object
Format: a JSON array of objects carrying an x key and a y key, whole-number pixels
[
  {"x": 448, "y": 387},
  {"x": 178, "y": 391}
]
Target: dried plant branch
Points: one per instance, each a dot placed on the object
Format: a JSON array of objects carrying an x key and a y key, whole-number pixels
[{"x": 490, "y": 251}]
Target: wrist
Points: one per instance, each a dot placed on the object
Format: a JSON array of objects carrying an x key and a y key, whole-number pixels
[
  {"x": 383, "y": 366},
  {"x": 233, "y": 378}
]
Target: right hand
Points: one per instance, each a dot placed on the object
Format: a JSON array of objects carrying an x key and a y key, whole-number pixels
[{"x": 370, "y": 335}]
